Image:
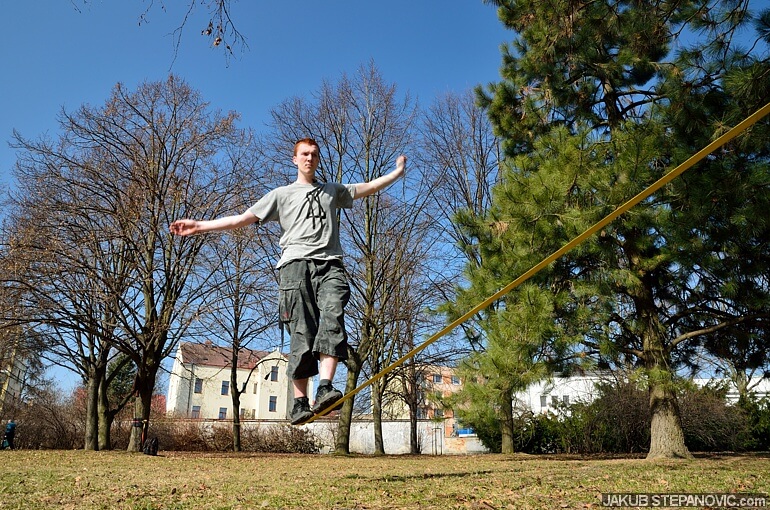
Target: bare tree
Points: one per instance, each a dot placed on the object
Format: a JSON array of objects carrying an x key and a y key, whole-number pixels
[
  {"x": 459, "y": 151},
  {"x": 64, "y": 250},
  {"x": 129, "y": 168},
  {"x": 361, "y": 126},
  {"x": 406, "y": 294},
  {"x": 219, "y": 28},
  {"x": 240, "y": 308}
]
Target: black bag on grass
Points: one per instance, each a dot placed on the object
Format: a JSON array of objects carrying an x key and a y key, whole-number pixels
[{"x": 150, "y": 446}]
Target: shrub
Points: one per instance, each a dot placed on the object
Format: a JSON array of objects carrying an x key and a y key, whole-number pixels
[
  {"x": 279, "y": 439},
  {"x": 46, "y": 421},
  {"x": 201, "y": 436},
  {"x": 708, "y": 422},
  {"x": 756, "y": 436},
  {"x": 618, "y": 421},
  {"x": 485, "y": 423}
]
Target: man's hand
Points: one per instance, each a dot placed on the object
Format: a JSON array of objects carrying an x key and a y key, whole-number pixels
[
  {"x": 184, "y": 227},
  {"x": 367, "y": 188},
  {"x": 189, "y": 227},
  {"x": 400, "y": 165}
]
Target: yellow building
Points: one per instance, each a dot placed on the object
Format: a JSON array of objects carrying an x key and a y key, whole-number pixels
[{"x": 199, "y": 384}]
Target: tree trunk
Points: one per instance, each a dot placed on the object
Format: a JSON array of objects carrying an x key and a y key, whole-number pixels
[
  {"x": 666, "y": 435},
  {"x": 414, "y": 444},
  {"x": 410, "y": 390},
  {"x": 105, "y": 417},
  {"x": 142, "y": 406},
  {"x": 236, "y": 399},
  {"x": 506, "y": 423},
  {"x": 342, "y": 446},
  {"x": 379, "y": 445},
  {"x": 92, "y": 414}
]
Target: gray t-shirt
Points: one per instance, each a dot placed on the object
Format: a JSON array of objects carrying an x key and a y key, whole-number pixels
[{"x": 307, "y": 214}]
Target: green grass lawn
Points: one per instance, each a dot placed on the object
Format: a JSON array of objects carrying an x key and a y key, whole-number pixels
[{"x": 172, "y": 480}]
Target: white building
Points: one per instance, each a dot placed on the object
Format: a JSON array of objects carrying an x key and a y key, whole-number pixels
[
  {"x": 759, "y": 387},
  {"x": 199, "y": 385},
  {"x": 13, "y": 373},
  {"x": 559, "y": 392}
]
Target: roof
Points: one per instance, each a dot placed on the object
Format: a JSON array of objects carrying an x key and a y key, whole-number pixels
[{"x": 209, "y": 354}]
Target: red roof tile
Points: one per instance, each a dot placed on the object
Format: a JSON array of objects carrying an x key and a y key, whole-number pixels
[{"x": 209, "y": 354}]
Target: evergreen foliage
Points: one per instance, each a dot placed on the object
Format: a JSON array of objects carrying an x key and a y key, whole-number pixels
[{"x": 595, "y": 105}]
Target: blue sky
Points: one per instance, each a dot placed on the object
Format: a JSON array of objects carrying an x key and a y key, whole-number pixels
[{"x": 64, "y": 53}]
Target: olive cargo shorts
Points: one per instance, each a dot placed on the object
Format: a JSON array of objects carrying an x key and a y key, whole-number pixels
[{"x": 311, "y": 304}]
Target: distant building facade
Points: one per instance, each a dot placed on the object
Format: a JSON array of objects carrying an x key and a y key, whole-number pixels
[
  {"x": 13, "y": 373},
  {"x": 434, "y": 383},
  {"x": 558, "y": 393},
  {"x": 199, "y": 384}
]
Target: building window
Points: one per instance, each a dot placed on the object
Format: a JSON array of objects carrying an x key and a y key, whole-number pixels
[
  {"x": 274, "y": 373},
  {"x": 543, "y": 401},
  {"x": 437, "y": 378},
  {"x": 438, "y": 413},
  {"x": 272, "y": 406},
  {"x": 554, "y": 401},
  {"x": 222, "y": 413},
  {"x": 455, "y": 380},
  {"x": 243, "y": 413},
  {"x": 198, "y": 385},
  {"x": 255, "y": 388},
  {"x": 225, "y": 387},
  {"x": 196, "y": 412}
]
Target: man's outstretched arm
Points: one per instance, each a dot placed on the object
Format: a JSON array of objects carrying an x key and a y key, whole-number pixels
[
  {"x": 189, "y": 227},
  {"x": 364, "y": 189}
]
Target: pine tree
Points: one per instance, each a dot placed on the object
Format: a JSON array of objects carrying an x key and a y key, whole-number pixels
[{"x": 589, "y": 112}]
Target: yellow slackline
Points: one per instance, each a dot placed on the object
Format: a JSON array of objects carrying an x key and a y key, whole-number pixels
[{"x": 673, "y": 174}]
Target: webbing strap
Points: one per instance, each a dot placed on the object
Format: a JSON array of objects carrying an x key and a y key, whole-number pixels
[{"x": 673, "y": 174}]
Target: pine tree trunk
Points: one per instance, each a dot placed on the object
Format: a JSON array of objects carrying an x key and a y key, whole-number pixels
[
  {"x": 506, "y": 424},
  {"x": 666, "y": 435}
]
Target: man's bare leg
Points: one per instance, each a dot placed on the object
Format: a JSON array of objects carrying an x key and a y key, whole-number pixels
[{"x": 326, "y": 394}]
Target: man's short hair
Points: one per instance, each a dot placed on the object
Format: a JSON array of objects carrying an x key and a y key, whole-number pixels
[{"x": 308, "y": 141}]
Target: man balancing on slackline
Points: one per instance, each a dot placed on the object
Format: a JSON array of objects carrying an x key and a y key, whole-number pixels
[{"x": 313, "y": 287}]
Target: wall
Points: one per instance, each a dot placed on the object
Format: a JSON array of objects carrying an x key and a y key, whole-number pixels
[{"x": 430, "y": 435}]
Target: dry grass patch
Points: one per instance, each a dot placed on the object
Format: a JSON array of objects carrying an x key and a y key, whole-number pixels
[{"x": 177, "y": 480}]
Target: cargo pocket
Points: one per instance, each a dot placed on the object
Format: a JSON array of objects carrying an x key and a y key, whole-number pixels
[{"x": 288, "y": 294}]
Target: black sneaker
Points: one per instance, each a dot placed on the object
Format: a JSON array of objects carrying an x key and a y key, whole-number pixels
[
  {"x": 301, "y": 412},
  {"x": 326, "y": 396}
]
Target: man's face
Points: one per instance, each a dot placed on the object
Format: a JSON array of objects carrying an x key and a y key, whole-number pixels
[{"x": 306, "y": 159}]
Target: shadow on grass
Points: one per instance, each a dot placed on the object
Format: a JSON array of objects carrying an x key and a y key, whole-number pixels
[{"x": 423, "y": 476}]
